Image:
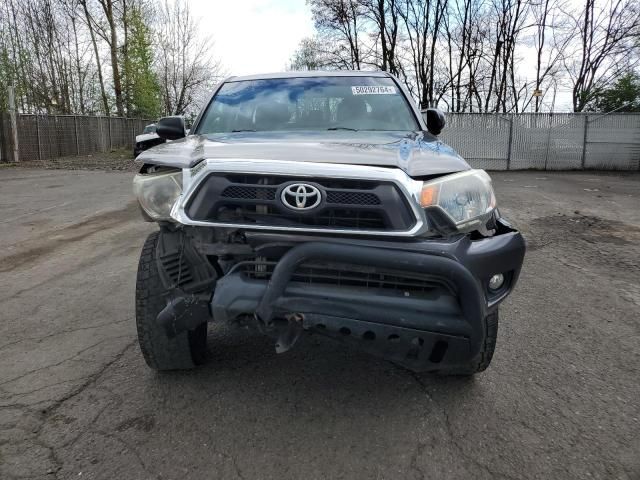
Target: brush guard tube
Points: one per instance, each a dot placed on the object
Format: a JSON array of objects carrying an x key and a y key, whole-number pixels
[{"x": 470, "y": 292}]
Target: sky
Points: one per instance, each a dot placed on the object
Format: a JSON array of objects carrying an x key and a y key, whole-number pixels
[
  {"x": 254, "y": 36},
  {"x": 260, "y": 36}
]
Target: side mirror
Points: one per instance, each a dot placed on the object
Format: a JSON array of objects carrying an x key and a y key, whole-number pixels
[
  {"x": 435, "y": 120},
  {"x": 171, "y": 128}
]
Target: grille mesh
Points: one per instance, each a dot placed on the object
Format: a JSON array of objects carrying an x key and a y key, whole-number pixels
[
  {"x": 249, "y": 193},
  {"x": 352, "y": 198},
  {"x": 333, "y": 217}
]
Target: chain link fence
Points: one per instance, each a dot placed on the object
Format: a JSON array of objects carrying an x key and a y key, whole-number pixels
[
  {"x": 42, "y": 137},
  {"x": 546, "y": 141}
]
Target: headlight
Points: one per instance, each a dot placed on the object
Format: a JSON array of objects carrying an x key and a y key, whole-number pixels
[
  {"x": 157, "y": 192},
  {"x": 466, "y": 198}
]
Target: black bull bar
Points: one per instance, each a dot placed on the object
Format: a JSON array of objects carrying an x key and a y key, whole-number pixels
[{"x": 420, "y": 335}]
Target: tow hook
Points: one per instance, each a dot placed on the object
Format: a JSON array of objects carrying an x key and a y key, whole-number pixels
[
  {"x": 285, "y": 330},
  {"x": 289, "y": 333}
]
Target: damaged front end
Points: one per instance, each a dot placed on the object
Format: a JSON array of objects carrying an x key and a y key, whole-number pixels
[{"x": 420, "y": 303}]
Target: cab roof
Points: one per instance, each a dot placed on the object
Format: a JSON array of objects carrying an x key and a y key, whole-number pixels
[{"x": 308, "y": 74}]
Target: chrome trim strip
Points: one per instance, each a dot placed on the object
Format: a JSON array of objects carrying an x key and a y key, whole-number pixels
[{"x": 192, "y": 178}]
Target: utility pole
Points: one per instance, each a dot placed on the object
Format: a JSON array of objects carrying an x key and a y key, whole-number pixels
[{"x": 13, "y": 123}]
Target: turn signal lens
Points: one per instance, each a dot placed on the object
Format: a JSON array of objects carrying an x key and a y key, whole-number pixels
[{"x": 429, "y": 195}]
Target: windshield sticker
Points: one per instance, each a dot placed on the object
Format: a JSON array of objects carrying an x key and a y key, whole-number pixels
[{"x": 373, "y": 90}]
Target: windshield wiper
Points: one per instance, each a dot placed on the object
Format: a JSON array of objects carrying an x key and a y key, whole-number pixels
[
  {"x": 343, "y": 128},
  {"x": 243, "y": 130}
]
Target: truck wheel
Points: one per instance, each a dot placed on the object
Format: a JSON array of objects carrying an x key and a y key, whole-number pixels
[
  {"x": 483, "y": 359},
  {"x": 161, "y": 352}
]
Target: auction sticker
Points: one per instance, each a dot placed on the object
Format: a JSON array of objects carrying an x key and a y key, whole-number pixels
[{"x": 373, "y": 90}]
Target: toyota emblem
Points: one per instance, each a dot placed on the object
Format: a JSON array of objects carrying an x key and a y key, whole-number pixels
[{"x": 301, "y": 196}]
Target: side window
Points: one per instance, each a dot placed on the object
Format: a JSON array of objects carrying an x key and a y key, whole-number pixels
[{"x": 214, "y": 120}]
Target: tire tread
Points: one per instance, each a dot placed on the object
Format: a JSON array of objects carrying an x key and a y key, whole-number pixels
[{"x": 159, "y": 351}]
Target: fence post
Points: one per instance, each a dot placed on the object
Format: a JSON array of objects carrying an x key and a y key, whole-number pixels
[
  {"x": 38, "y": 136},
  {"x": 584, "y": 142},
  {"x": 13, "y": 123},
  {"x": 101, "y": 140},
  {"x": 110, "y": 137},
  {"x": 510, "y": 142},
  {"x": 75, "y": 128},
  {"x": 546, "y": 154}
]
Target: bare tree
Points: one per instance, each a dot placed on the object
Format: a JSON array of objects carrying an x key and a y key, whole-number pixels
[
  {"x": 186, "y": 66},
  {"x": 423, "y": 21},
  {"x": 607, "y": 36},
  {"x": 384, "y": 15},
  {"x": 510, "y": 17},
  {"x": 309, "y": 56},
  {"x": 94, "y": 55},
  {"x": 94, "y": 43},
  {"x": 476, "y": 32},
  {"x": 340, "y": 24},
  {"x": 108, "y": 30}
]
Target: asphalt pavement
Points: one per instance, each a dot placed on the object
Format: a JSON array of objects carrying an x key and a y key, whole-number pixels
[{"x": 561, "y": 399}]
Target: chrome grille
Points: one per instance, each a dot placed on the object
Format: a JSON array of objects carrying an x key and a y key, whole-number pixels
[{"x": 347, "y": 204}]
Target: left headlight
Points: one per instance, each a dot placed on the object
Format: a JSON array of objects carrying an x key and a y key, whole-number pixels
[
  {"x": 466, "y": 198},
  {"x": 157, "y": 192}
]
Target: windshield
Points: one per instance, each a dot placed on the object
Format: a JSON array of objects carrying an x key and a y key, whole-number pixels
[
  {"x": 320, "y": 103},
  {"x": 149, "y": 129}
]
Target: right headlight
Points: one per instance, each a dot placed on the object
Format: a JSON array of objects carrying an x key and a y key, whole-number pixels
[
  {"x": 466, "y": 198},
  {"x": 157, "y": 192}
]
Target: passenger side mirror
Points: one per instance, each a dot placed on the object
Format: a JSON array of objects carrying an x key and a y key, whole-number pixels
[
  {"x": 435, "y": 120},
  {"x": 171, "y": 128}
]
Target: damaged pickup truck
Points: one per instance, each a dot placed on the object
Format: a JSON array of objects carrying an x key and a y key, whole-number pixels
[{"x": 312, "y": 202}]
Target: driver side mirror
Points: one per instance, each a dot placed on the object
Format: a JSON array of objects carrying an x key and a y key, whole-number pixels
[
  {"x": 171, "y": 128},
  {"x": 435, "y": 120}
]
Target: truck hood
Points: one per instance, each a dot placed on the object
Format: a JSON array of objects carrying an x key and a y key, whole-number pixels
[{"x": 416, "y": 153}]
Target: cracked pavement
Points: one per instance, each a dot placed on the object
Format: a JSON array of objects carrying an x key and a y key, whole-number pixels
[{"x": 560, "y": 399}]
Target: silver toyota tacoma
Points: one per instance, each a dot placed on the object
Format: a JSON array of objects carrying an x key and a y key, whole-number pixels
[{"x": 321, "y": 203}]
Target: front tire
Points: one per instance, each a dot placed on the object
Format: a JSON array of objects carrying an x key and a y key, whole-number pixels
[
  {"x": 161, "y": 352},
  {"x": 481, "y": 362}
]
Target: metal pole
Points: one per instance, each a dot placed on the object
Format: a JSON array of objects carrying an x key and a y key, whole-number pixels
[
  {"x": 546, "y": 155},
  {"x": 13, "y": 123},
  {"x": 38, "y": 136},
  {"x": 553, "y": 105},
  {"x": 510, "y": 142},
  {"x": 100, "y": 141},
  {"x": 110, "y": 137},
  {"x": 584, "y": 142},
  {"x": 75, "y": 127}
]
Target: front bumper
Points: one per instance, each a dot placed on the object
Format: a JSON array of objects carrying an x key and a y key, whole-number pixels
[{"x": 438, "y": 330}]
